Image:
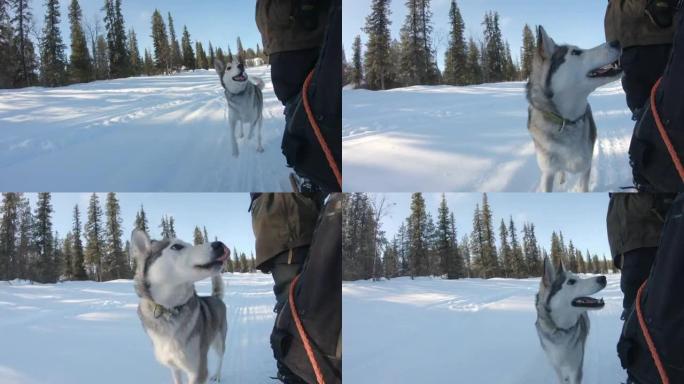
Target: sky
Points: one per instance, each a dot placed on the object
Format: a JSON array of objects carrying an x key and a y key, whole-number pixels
[
  {"x": 218, "y": 21},
  {"x": 225, "y": 215},
  {"x": 567, "y": 21},
  {"x": 581, "y": 217}
]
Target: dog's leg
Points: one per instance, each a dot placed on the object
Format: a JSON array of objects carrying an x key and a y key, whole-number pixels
[
  {"x": 219, "y": 347},
  {"x": 547, "y": 181},
  {"x": 260, "y": 149},
  {"x": 584, "y": 181},
  {"x": 242, "y": 130},
  {"x": 233, "y": 126},
  {"x": 177, "y": 376}
]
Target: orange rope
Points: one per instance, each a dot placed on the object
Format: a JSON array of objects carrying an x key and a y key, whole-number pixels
[
  {"x": 317, "y": 130},
  {"x": 303, "y": 335},
  {"x": 649, "y": 340},
  {"x": 663, "y": 133}
]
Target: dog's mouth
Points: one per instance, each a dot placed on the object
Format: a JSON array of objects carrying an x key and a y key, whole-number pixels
[
  {"x": 240, "y": 78},
  {"x": 217, "y": 262},
  {"x": 588, "y": 302},
  {"x": 610, "y": 70}
]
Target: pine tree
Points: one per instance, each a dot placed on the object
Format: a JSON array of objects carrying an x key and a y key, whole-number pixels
[
  {"x": 136, "y": 64},
  {"x": 25, "y": 51},
  {"x": 160, "y": 40},
  {"x": 455, "y": 67},
  {"x": 188, "y": 53},
  {"x": 175, "y": 58},
  {"x": 417, "y": 61},
  {"x": 505, "y": 251},
  {"x": 473, "y": 66},
  {"x": 202, "y": 61},
  {"x": 94, "y": 234},
  {"x": 357, "y": 65},
  {"x": 141, "y": 220},
  {"x": 377, "y": 63},
  {"x": 116, "y": 40},
  {"x": 45, "y": 265},
  {"x": 77, "y": 258},
  {"x": 527, "y": 54},
  {"x": 114, "y": 264},
  {"x": 495, "y": 50},
  {"x": 197, "y": 237},
  {"x": 8, "y": 65},
  {"x": 80, "y": 67},
  {"x": 9, "y": 229}
]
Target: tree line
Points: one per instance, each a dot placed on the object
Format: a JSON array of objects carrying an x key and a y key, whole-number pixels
[
  {"x": 429, "y": 246},
  {"x": 92, "y": 250},
  {"x": 389, "y": 63},
  {"x": 97, "y": 52}
]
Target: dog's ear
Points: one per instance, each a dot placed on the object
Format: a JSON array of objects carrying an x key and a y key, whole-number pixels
[
  {"x": 548, "y": 275},
  {"x": 545, "y": 44},
  {"x": 140, "y": 244},
  {"x": 219, "y": 66}
]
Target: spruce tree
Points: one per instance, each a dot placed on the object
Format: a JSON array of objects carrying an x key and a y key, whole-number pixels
[
  {"x": 505, "y": 251},
  {"x": 572, "y": 261},
  {"x": 455, "y": 66},
  {"x": 202, "y": 60},
  {"x": 175, "y": 58},
  {"x": 473, "y": 66},
  {"x": 581, "y": 266},
  {"x": 160, "y": 40},
  {"x": 206, "y": 235},
  {"x": 240, "y": 51},
  {"x": 528, "y": 49},
  {"x": 197, "y": 237},
  {"x": 25, "y": 245},
  {"x": 80, "y": 66},
  {"x": 595, "y": 264},
  {"x": 417, "y": 237},
  {"x": 212, "y": 56},
  {"x": 495, "y": 50},
  {"x": 492, "y": 267},
  {"x": 464, "y": 250},
  {"x": 9, "y": 229},
  {"x": 357, "y": 65},
  {"x": 417, "y": 63},
  {"x": 53, "y": 59},
  {"x": 102, "y": 59},
  {"x": 136, "y": 65},
  {"x": 77, "y": 257},
  {"x": 518, "y": 266},
  {"x": 188, "y": 53},
  {"x": 67, "y": 255},
  {"x": 22, "y": 22},
  {"x": 477, "y": 247},
  {"x": 377, "y": 64},
  {"x": 45, "y": 264},
  {"x": 148, "y": 66},
  {"x": 94, "y": 234},
  {"x": 115, "y": 265},
  {"x": 116, "y": 40},
  {"x": 556, "y": 250},
  {"x": 141, "y": 222},
  {"x": 8, "y": 64}
]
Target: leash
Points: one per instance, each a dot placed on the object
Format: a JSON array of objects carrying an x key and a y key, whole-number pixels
[
  {"x": 317, "y": 130},
  {"x": 663, "y": 133},
  {"x": 649, "y": 341},
  {"x": 303, "y": 335}
]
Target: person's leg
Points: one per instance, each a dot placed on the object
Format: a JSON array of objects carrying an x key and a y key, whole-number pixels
[
  {"x": 636, "y": 265},
  {"x": 642, "y": 66},
  {"x": 284, "y": 268},
  {"x": 289, "y": 70}
]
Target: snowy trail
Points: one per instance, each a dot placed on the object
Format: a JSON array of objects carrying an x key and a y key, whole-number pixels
[
  {"x": 464, "y": 331},
  {"x": 466, "y": 139},
  {"x": 86, "y": 332},
  {"x": 144, "y": 134}
]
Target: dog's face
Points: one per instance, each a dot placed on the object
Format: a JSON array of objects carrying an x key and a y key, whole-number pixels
[
  {"x": 233, "y": 76},
  {"x": 568, "y": 67},
  {"x": 566, "y": 294},
  {"x": 174, "y": 261}
]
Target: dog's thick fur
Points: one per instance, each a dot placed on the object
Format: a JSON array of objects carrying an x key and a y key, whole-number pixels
[
  {"x": 181, "y": 324},
  {"x": 560, "y": 119},
  {"x": 245, "y": 101},
  {"x": 562, "y": 321}
]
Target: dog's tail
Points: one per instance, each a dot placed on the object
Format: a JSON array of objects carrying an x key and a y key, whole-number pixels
[{"x": 217, "y": 286}]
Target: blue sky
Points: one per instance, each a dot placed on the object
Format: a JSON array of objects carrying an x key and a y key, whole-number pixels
[
  {"x": 218, "y": 21},
  {"x": 224, "y": 215},
  {"x": 581, "y": 217},
  {"x": 569, "y": 21}
]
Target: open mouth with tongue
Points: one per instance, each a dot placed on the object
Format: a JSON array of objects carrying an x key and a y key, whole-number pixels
[
  {"x": 218, "y": 262},
  {"x": 241, "y": 77},
  {"x": 610, "y": 70},
  {"x": 588, "y": 302}
]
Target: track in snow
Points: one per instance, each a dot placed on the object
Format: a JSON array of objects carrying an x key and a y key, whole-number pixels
[
  {"x": 466, "y": 139},
  {"x": 87, "y": 332},
  {"x": 143, "y": 134},
  {"x": 463, "y": 331}
]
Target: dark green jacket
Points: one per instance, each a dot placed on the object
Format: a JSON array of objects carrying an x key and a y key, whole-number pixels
[
  {"x": 635, "y": 221},
  {"x": 282, "y": 29},
  {"x": 281, "y": 222},
  {"x": 626, "y": 21}
]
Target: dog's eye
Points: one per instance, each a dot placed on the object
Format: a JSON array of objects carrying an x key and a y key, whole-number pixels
[
  {"x": 177, "y": 247},
  {"x": 229, "y": 68},
  {"x": 576, "y": 52},
  {"x": 572, "y": 281}
]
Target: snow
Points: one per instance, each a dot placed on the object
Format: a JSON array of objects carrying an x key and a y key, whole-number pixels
[
  {"x": 142, "y": 134},
  {"x": 88, "y": 332},
  {"x": 466, "y": 331},
  {"x": 467, "y": 139}
]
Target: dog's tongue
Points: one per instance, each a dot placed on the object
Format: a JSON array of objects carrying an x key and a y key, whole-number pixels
[
  {"x": 588, "y": 302},
  {"x": 226, "y": 254}
]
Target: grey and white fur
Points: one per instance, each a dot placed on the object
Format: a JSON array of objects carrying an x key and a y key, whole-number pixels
[
  {"x": 559, "y": 115},
  {"x": 181, "y": 324},
  {"x": 562, "y": 321},
  {"x": 245, "y": 101}
]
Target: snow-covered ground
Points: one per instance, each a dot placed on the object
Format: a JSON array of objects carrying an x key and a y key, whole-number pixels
[
  {"x": 144, "y": 134},
  {"x": 463, "y": 331},
  {"x": 466, "y": 139},
  {"x": 87, "y": 332}
]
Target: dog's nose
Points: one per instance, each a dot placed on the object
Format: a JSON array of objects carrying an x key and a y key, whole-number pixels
[
  {"x": 241, "y": 67},
  {"x": 602, "y": 280},
  {"x": 218, "y": 246},
  {"x": 614, "y": 44}
]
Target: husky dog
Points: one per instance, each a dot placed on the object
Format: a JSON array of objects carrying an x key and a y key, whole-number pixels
[
  {"x": 245, "y": 101},
  {"x": 562, "y": 321},
  {"x": 559, "y": 116},
  {"x": 181, "y": 324}
]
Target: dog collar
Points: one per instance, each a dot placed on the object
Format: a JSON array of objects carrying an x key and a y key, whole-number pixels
[
  {"x": 159, "y": 310},
  {"x": 560, "y": 120}
]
